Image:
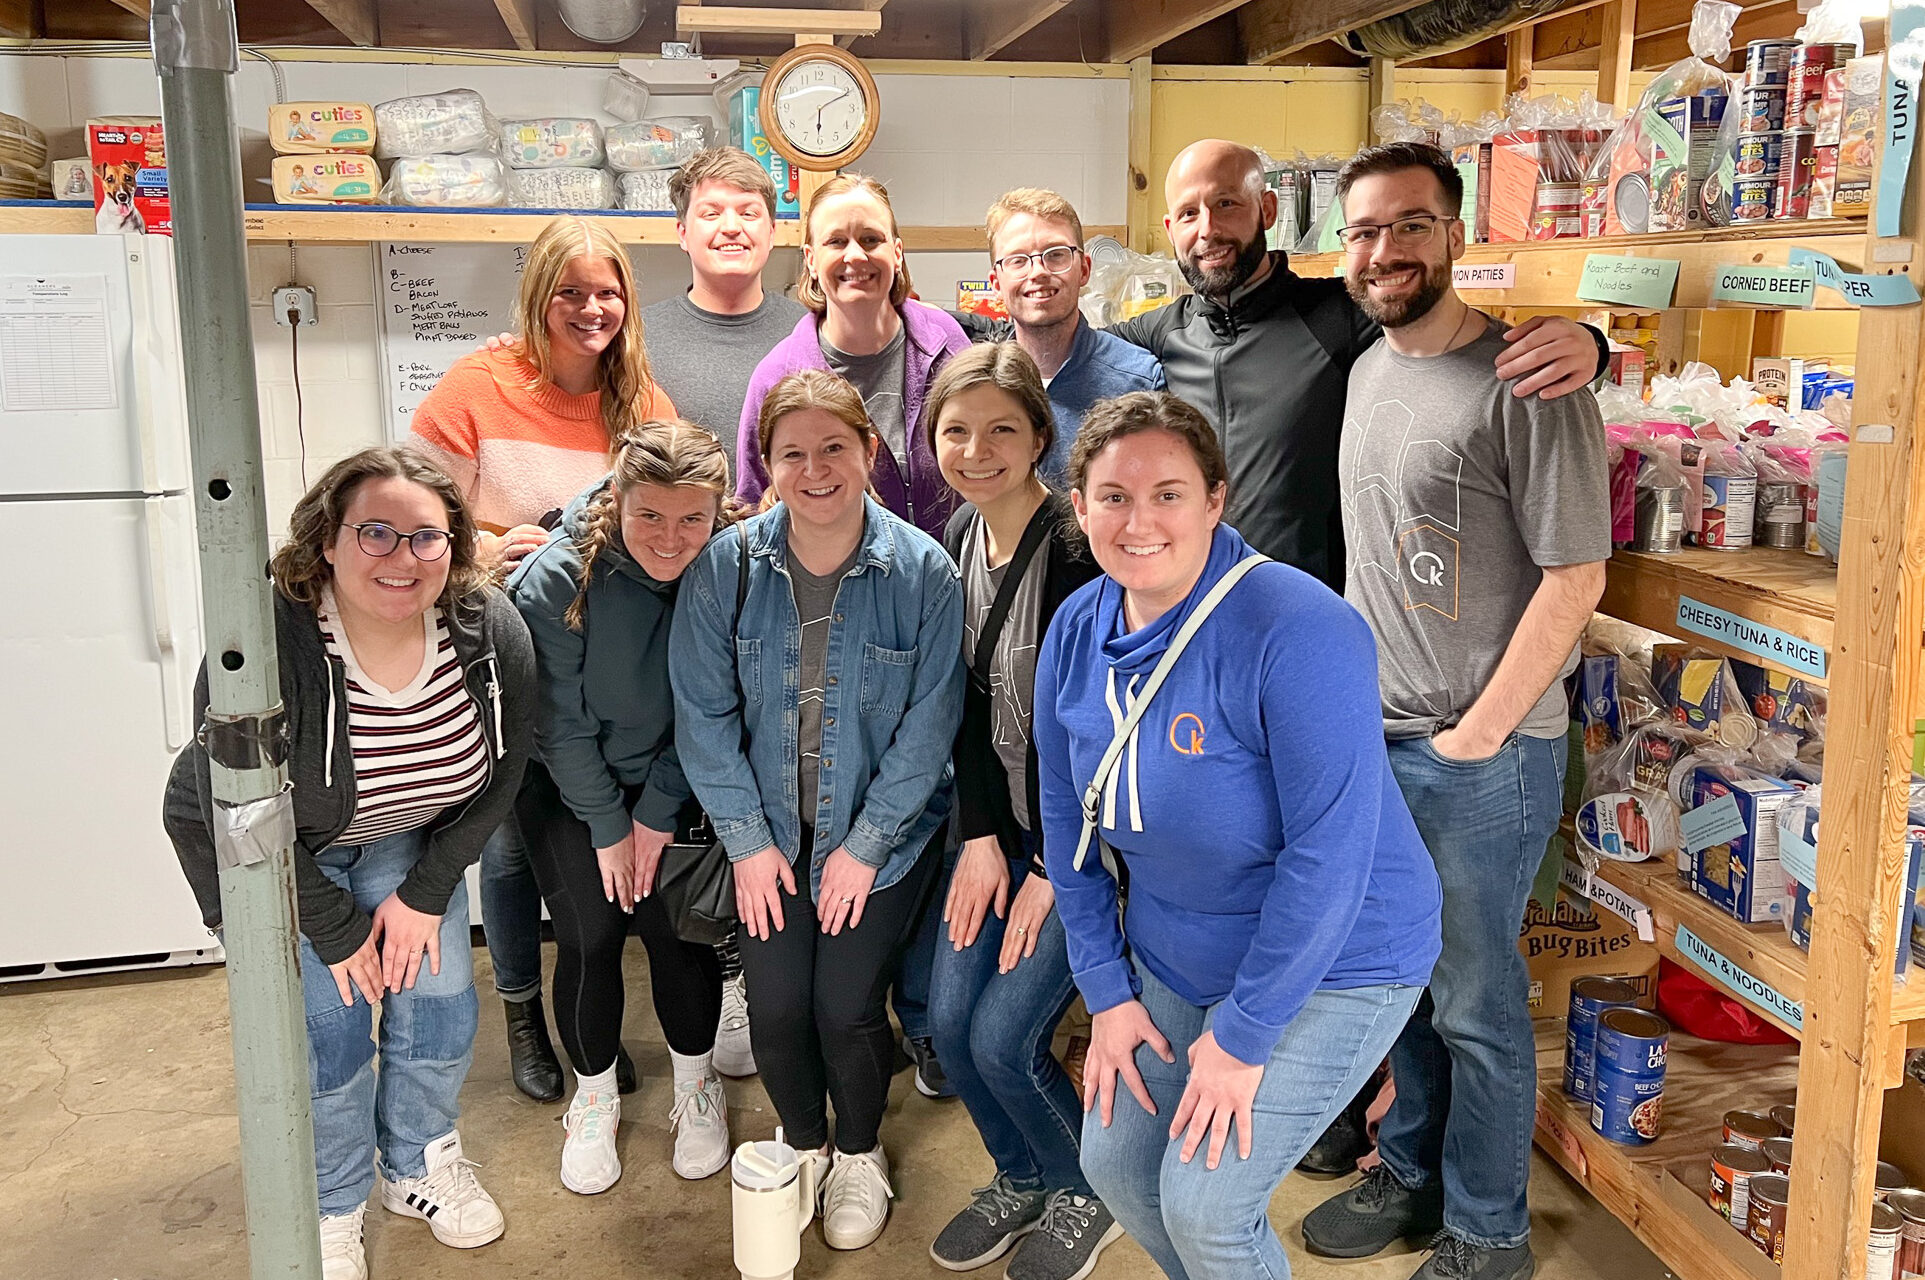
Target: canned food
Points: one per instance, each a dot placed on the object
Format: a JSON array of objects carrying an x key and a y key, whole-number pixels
[
  {"x": 1778, "y": 1151},
  {"x": 1659, "y": 519},
  {"x": 1889, "y": 1178},
  {"x": 1770, "y": 1195},
  {"x": 1805, "y": 81},
  {"x": 1555, "y": 216},
  {"x": 1729, "y": 512},
  {"x": 1766, "y": 60},
  {"x": 1761, "y": 108},
  {"x": 1781, "y": 515},
  {"x": 1748, "y": 1129},
  {"x": 1758, "y": 155},
  {"x": 1754, "y": 200},
  {"x": 1784, "y": 1113},
  {"x": 1797, "y": 165},
  {"x": 1882, "y": 1245},
  {"x": 1732, "y": 1168},
  {"x": 1627, "y": 1099},
  {"x": 1911, "y": 1244},
  {"x": 1590, "y": 996}
]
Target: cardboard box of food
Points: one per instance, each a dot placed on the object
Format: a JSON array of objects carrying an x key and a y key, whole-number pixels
[
  {"x": 745, "y": 131},
  {"x": 1778, "y": 378},
  {"x": 1737, "y": 867},
  {"x": 1859, "y": 117},
  {"x": 1574, "y": 938}
]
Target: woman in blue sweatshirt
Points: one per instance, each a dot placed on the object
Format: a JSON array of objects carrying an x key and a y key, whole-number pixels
[{"x": 1282, "y": 913}]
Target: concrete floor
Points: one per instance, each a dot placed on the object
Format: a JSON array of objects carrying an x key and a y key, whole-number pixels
[{"x": 119, "y": 1161}]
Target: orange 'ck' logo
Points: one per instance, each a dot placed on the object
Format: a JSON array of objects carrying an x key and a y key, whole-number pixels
[{"x": 1192, "y": 745}]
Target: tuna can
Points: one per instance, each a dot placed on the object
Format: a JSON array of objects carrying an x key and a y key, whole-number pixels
[
  {"x": 1784, "y": 1113},
  {"x": 1748, "y": 1129},
  {"x": 1590, "y": 996},
  {"x": 1659, "y": 519},
  {"x": 1754, "y": 199},
  {"x": 1890, "y": 1178},
  {"x": 1778, "y": 1151},
  {"x": 1758, "y": 155},
  {"x": 1730, "y": 510},
  {"x": 1805, "y": 81},
  {"x": 1732, "y": 1169},
  {"x": 1911, "y": 1245},
  {"x": 1761, "y": 108},
  {"x": 1781, "y": 514},
  {"x": 1766, "y": 61},
  {"x": 1882, "y": 1245},
  {"x": 1770, "y": 1195},
  {"x": 1797, "y": 165},
  {"x": 1627, "y": 1100}
]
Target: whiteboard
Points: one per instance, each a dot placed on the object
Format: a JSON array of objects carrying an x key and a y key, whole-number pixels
[{"x": 437, "y": 302}]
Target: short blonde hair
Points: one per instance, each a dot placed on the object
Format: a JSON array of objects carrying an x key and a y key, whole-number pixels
[
  {"x": 808, "y": 288},
  {"x": 1038, "y": 202}
]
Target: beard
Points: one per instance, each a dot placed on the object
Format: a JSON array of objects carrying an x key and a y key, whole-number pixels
[
  {"x": 1221, "y": 282},
  {"x": 1396, "y": 313}
]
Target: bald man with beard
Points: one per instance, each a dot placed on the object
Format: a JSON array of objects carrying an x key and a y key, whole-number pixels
[{"x": 1266, "y": 355}]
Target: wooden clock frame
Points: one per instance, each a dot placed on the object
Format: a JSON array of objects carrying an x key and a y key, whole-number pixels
[{"x": 772, "y": 130}]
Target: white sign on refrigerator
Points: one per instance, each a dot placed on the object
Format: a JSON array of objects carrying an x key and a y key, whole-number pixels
[
  {"x": 437, "y": 303},
  {"x": 54, "y": 346}
]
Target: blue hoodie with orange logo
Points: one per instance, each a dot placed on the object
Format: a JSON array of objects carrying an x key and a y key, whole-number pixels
[{"x": 1268, "y": 846}]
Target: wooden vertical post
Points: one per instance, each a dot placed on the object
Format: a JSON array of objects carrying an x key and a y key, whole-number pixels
[
  {"x": 1845, "y": 1063},
  {"x": 1383, "y": 89},
  {"x": 1517, "y": 61},
  {"x": 1142, "y": 235},
  {"x": 1620, "y": 19}
]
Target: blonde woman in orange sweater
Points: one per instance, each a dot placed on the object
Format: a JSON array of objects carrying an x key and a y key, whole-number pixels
[{"x": 522, "y": 429}]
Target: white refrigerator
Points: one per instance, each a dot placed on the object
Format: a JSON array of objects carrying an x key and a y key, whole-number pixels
[{"x": 100, "y": 631}]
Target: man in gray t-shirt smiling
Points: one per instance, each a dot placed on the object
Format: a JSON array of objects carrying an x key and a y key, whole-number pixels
[{"x": 1477, "y": 524}]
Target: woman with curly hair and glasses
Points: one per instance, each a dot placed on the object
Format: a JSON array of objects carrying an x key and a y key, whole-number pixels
[{"x": 407, "y": 681}]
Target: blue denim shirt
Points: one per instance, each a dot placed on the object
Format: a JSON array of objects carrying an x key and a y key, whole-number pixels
[{"x": 894, "y": 659}]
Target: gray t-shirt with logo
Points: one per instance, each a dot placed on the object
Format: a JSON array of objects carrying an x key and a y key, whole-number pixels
[{"x": 1455, "y": 495}]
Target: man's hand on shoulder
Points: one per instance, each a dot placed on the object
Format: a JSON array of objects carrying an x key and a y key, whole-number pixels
[{"x": 1549, "y": 357}]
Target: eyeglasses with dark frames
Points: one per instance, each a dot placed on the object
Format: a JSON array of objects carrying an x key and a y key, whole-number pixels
[
  {"x": 1056, "y": 260},
  {"x": 1408, "y": 233},
  {"x": 378, "y": 539}
]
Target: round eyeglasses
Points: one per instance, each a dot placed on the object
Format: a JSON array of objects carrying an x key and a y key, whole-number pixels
[
  {"x": 378, "y": 539},
  {"x": 1056, "y": 260}
]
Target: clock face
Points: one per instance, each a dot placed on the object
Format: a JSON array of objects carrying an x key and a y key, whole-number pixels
[{"x": 820, "y": 107}]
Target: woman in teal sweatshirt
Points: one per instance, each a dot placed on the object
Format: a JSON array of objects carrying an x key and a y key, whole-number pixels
[{"x": 1282, "y": 915}]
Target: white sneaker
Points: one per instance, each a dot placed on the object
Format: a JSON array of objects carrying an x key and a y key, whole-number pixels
[
  {"x": 734, "y": 1057},
  {"x": 855, "y": 1203},
  {"x": 819, "y": 1165},
  {"x": 700, "y": 1121},
  {"x": 342, "y": 1257},
  {"x": 447, "y": 1197},
  {"x": 589, "y": 1165}
]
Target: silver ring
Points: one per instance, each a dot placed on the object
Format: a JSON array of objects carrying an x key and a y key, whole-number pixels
[
  {"x": 847, "y": 901},
  {"x": 1021, "y": 930}
]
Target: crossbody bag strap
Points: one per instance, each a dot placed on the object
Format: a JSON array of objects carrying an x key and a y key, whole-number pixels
[
  {"x": 735, "y": 630},
  {"x": 1035, "y": 533},
  {"x": 1093, "y": 794}
]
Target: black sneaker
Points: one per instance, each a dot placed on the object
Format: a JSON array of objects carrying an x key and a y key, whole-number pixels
[
  {"x": 1372, "y": 1216},
  {"x": 1347, "y": 1140},
  {"x": 1454, "y": 1258},
  {"x": 931, "y": 1082},
  {"x": 994, "y": 1220},
  {"x": 1074, "y": 1231}
]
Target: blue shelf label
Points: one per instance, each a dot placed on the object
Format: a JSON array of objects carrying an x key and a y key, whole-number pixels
[
  {"x": 1756, "y": 638},
  {"x": 1758, "y": 992}
]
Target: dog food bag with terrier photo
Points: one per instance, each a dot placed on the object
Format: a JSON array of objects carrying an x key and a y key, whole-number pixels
[{"x": 129, "y": 161}]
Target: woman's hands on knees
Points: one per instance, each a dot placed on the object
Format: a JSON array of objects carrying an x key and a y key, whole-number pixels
[
  {"x": 1221, "y": 1089},
  {"x": 979, "y": 884},
  {"x": 1114, "y": 1035}
]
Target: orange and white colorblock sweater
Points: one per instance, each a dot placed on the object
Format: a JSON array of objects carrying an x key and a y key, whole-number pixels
[{"x": 517, "y": 445}]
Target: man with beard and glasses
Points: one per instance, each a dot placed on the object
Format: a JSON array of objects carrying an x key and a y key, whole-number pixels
[
  {"x": 1264, "y": 353},
  {"x": 1478, "y": 524}
]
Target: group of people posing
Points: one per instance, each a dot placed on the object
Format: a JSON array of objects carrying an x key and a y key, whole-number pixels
[{"x": 1208, "y": 666}]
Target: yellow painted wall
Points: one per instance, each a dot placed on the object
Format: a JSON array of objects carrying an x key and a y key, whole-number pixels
[{"x": 1832, "y": 334}]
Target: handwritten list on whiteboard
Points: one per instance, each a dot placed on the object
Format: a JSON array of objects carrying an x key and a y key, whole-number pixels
[{"x": 438, "y": 302}]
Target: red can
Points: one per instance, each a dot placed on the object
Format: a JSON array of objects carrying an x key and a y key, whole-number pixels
[
  {"x": 1805, "y": 81},
  {"x": 1797, "y": 166},
  {"x": 1911, "y": 1247}
]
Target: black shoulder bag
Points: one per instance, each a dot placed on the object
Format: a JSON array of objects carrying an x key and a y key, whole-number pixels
[{"x": 694, "y": 879}]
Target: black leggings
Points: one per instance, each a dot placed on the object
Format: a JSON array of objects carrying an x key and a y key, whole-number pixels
[
  {"x": 819, "y": 1026},
  {"x": 686, "y": 979}
]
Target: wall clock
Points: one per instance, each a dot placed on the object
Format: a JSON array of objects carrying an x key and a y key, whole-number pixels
[{"x": 819, "y": 107}]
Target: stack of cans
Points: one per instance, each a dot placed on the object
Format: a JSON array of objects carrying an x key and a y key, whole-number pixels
[
  {"x": 1788, "y": 129},
  {"x": 1761, "y": 129}
]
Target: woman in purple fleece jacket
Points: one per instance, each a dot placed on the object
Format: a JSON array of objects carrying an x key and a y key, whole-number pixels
[
  {"x": 1283, "y": 913},
  {"x": 863, "y": 326}
]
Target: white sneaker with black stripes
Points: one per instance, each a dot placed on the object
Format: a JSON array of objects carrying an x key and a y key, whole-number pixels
[{"x": 447, "y": 1197}]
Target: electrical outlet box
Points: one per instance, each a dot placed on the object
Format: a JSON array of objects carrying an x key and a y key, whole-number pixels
[{"x": 294, "y": 301}]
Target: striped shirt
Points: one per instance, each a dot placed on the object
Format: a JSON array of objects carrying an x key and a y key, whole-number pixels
[{"x": 417, "y": 750}]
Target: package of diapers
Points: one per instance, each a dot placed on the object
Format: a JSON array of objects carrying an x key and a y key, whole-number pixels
[
  {"x": 646, "y": 192},
  {"x": 451, "y": 123},
  {"x": 345, "y": 178},
  {"x": 302, "y": 128},
  {"x": 661, "y": 143},
  {"x": 561, "y": 188},
  {"x": 447, "y": 182},
  {"x": 550, "y": 143}
]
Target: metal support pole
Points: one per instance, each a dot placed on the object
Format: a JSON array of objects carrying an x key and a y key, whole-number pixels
[{"x": 196, "y": 54}]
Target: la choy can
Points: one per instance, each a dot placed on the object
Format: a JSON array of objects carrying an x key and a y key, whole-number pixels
[
  {"x": 1590, "y": 996},
  {"x": 1627, "y": 1099}
]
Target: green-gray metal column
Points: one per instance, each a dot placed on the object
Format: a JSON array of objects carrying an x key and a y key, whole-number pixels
[{"x": 196, "y": 54}]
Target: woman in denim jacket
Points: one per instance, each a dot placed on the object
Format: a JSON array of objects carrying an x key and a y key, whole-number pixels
[{"x": 816, "y": 653}]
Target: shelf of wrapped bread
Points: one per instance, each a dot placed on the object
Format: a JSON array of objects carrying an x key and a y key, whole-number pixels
[
  {"x": 1547, "y": 272},
  {"x": 1793, "y": 594},
  {"x": 1660, "y": 1191}
]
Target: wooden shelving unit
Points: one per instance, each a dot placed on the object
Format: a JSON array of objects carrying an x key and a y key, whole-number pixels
[{"x": 1788, "y": 590}]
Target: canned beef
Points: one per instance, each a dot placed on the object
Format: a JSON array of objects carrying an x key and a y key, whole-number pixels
[
  {"x": 1911, "y": 1245},
  {"x": 1754, "y": 200},
  {"x": 1805, "y": 81},
  {"x": 1890, "y": 1178},
  {"x": 1590, "y": 996},
  {"x": 1758, "y": 155},
  {"x": 1797, "y": 165},
  {"x": 1732, "y": 1169},
  {"x": 1778, "y": 1151},
  {"x": 1766, "y": 60},
  {"x": 1765, "y": 1223},
  {"x": 1761, "y": 109},
  {"x": 1627, "y": 1100},
  {"x": 1749, "y": 1129}
]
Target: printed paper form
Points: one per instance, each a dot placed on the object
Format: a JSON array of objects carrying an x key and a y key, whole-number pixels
[{"x": 55, "y": 351}]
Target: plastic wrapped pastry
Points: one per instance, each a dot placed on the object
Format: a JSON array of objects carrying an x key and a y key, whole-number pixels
[
  {"x": 551, "y": 142},
  {"x": 561, "y": 188},
  {"x": 661, "y": 143},
  {"x": 646, "y": 192},
  {"x": 447, "y": 181},
  {"x": 451, "y": 123}
]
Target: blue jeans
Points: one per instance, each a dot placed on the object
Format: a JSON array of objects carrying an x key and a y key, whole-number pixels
[
  {"x": 1214, "y": 1224},
  {"x": 909, "y": 991},
  {"x": 1466, "y": 1066},
  {"x": 511, "y": 912},
  {"x": 427, "y": 1039},
  {"x": 992, "y": 1035}
]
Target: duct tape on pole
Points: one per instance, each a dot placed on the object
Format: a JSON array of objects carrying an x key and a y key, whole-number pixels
[{"x": 244, "y": 732}]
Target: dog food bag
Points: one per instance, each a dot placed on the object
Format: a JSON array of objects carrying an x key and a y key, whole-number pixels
[
  {"x": 304, "y": 128},
  {"x": 129, "y": 159},
  {"x": 661, "y": 143},
  {"x": 646, "y": 191},
  {"x": 347, "y": 178},
  {"x": 561, "y": 188},
  {"x": 452, "y": 123},
  {"x": 550, "y": 143},
  {"x": 447, "y": 182}
]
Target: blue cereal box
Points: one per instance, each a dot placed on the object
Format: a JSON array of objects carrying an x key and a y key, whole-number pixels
[{"x": 1736, "y": 864}]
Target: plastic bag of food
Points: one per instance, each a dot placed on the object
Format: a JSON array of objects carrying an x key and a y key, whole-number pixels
[
  {"x": 434, "y": 124},
  {"x": 662, "y": 142},
  {"x": 464, "y": 181},
  {"x": 645, "y": 191},
  {"x": 1615, "y": 693},
  {"x": 551, "y": 142},
  {"x": 561, "y": 188}
]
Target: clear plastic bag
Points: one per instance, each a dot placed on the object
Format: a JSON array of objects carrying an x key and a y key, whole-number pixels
[
  {"x": 645, "y": 191},
  {"x": 1443, "y": 26},
  {"x": 551, "y": 142},
  {"x": 434, "y": 124},
  {"x": 561, "y": 188},
  {"x": 661, "y": 142},
  {"x": 460, "y": 181}
]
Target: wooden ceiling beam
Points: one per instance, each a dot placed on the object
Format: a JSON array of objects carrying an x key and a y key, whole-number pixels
[
  {"x": 989, "y": 26},
  {"x": 142, "y": 9},
  {"x": 18, "y": 20},
  {"x": 1272, "y": 30},
  {"x": 519, "y": 17},
  {"x": 736, "y": 20},
  {"x": 1137, "y": 26},
  {"x": 1571, "y": 40},
  {"x": 1655, "y": 52},
  {"x": 355, "y": 19}
]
